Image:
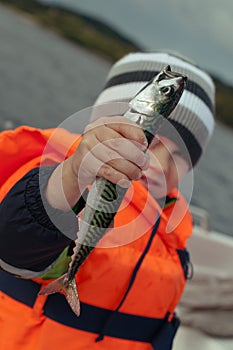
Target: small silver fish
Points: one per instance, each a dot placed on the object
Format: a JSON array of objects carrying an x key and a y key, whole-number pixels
[{"x": 148, "y": 109}]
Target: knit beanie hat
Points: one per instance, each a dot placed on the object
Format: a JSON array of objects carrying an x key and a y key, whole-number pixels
[{"x": 192, "y": 120}]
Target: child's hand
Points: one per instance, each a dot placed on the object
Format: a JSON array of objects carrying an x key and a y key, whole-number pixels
[{"x": 112, "y": 148}]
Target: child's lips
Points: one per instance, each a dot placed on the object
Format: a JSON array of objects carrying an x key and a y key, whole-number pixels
[{"x": 150, "y": 181}]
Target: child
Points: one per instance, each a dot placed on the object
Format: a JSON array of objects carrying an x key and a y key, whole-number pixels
[{"x": 130, "y": 286}]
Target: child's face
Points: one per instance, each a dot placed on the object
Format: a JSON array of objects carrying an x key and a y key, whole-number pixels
[{"x": 167, "y": 167}]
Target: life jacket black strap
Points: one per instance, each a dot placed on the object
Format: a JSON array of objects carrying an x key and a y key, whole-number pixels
[{"x": 157, "y": 331}]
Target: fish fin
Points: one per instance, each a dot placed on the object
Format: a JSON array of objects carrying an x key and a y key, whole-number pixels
[
  {"x": 68, "y": 288},
  {"x": 53, "y": 287},
  {"x": 71, "y": 294}
]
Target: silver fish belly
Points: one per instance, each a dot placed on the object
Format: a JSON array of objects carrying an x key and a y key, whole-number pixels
[{"x": 148, "y": 109}]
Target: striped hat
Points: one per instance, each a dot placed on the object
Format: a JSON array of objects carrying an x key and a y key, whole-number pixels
[{"x": 192, "y": 119}]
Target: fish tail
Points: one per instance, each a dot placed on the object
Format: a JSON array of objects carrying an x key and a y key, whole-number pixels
[{"x": 69, "y": 288}]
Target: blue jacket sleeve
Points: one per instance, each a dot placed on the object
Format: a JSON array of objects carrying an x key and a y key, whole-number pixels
[{"x": 32, "y": 233}]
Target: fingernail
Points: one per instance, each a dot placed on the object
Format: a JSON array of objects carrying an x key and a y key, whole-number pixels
[
  {"x": 146, "y": 162},
  {"x": 139, "y": 175},
  {"x": 124, "y": 183},
  {"x": 145, "y": 143},
  {"x": 143, "y": 161}
]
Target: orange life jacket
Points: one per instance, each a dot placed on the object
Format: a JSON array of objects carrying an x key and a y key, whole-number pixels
[{"x": 128, "y": 291}]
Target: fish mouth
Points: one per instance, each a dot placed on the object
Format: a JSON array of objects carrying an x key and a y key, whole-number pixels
[
  {"x": 167, "y": 74},
  {"x": 171, "y": 74}
]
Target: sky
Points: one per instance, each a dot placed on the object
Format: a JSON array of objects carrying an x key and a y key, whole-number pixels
[{"x": 199, "y": 29}]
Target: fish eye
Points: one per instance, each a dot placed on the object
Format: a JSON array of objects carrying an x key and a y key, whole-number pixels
[{"x": 167, "y": 90}]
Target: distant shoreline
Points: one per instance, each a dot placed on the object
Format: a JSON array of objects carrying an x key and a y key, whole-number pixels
[{"x": 83, "y": 30}]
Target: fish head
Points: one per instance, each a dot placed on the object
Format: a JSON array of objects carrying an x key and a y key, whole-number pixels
[
  {"x": 169, "y": 86},
  {"x": 160, "y": 95}
]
